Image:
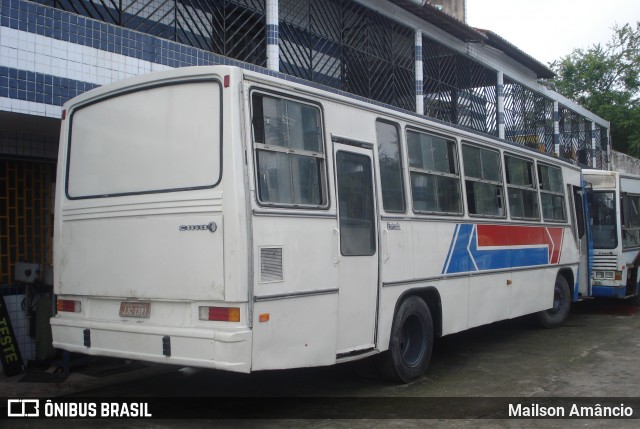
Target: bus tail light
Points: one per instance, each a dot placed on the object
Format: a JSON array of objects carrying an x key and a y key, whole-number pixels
[
  {"x": 609, "y": 275},
  {"x": 69, "y": 305},
  {"x": 219, "y": 314}
]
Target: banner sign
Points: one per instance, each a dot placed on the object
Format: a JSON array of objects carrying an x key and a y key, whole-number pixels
[{"x": 319, "y": 408}]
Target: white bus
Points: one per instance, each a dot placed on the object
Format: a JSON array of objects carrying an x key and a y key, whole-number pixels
[
  {"x": 222, "y": 218},
  {"x": 615, "y": 223}
]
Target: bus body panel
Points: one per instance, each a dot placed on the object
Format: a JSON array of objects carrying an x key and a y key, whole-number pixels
[
  {"x": 298, "y": 293},
  {"x": 154, "y": 259},
  {"x": 307, "y": 249},
  {"x": 299, "y": 332}
]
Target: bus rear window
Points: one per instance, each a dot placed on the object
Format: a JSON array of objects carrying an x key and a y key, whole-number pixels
[{"x": 161, "y": 139}]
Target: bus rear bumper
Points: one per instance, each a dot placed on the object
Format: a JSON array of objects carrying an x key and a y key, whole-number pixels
[
  {"x": 196, "y": 347},
  {"x": 608, "y": 291}
]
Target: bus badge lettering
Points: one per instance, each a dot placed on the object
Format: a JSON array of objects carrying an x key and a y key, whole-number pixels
[
  {"x": 211, "y": 227},
  {"x": 393, "y": 226}
]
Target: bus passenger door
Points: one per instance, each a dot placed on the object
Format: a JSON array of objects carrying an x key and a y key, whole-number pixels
[
  {"x": 583, "y": 232},
  {"x": 357, "y": 248}
]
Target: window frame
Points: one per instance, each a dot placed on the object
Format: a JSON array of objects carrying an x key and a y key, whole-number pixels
[
  {"x": 261, "y": 146},
  {"x": 74, "y": 109},
  {"x": 373, "y": 229},
  {"x": 501, "y": 184},
  {"x": 426, "y": 172},
  {"x": 625, "y": 225},
  {"x": 544, "y": 191},
  {"x": 402, "y": 166},
  {"x": 533, "y": 188}
]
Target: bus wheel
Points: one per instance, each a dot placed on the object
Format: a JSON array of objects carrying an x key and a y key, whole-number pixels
[
  {"x": 556, "y": 315},
  {"x": 410, "y": 344}
]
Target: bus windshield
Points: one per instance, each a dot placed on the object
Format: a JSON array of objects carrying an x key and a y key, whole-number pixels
[
  {"x": 158, "y": 139},
  {"x": 603, "y": 215}
]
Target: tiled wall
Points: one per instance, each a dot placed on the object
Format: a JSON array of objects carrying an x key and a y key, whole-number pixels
[{"x": 48, "y": 56}]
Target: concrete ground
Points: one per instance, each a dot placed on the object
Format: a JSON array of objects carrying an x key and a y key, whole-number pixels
[{"x": 594, "y": 356}]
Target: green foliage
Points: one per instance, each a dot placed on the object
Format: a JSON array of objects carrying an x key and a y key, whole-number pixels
[{"x": 606, "y": 80}]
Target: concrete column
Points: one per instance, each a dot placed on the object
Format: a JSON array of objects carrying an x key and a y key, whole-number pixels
[
  {"x": 273, "y": 39},
  {"x": 500, "y": 105},
  {"x": 593, "y": 145},
  {"x": 608, "y": 161},
  {"x": 556, "y": 128},
  {"x": 419, "y": 74}
]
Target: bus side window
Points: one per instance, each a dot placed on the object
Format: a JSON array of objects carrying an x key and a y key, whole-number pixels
[
  {"x": 630, "y": 221},
  {"x": 435, "y": 178},
  {"x": 483, "y": 181},
  {"x": 289, "y": 152},
  {"x": 551, "y": 193},
  {"x": 521, "y": 188},
  {"x": 390, "y": 158}
]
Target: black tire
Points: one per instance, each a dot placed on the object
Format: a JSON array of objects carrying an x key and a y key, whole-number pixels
[
  {"x": 410, "y": 344},
  {"x": 557, "y": 315}
]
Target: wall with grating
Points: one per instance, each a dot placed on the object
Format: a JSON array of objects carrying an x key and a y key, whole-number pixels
[{"x": 26, "y": 228}]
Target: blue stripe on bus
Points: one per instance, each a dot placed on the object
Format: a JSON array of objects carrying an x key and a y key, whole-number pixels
[{"x": 453, "y": 239}]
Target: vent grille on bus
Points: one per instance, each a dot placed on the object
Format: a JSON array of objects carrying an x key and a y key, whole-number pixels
[
  {"x": 605, "y": 262},
  {"x": 271, "y": 264}
]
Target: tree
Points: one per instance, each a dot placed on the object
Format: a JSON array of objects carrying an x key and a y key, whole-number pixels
[{"x": 606, "y": 81}]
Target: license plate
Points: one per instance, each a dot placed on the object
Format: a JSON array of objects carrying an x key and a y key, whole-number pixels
[{"x": 135, "y": 309}]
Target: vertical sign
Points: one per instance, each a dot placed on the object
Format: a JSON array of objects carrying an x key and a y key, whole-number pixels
[{"x": 9, "y": 351}]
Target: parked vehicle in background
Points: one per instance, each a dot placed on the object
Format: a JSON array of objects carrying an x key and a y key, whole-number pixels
[{"x": 614, "y": 209}]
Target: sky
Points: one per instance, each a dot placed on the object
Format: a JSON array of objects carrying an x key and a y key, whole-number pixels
[{"x": 550, "y": 29}]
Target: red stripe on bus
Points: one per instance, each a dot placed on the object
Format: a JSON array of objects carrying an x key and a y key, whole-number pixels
[{"x": 508, "y": 235}]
